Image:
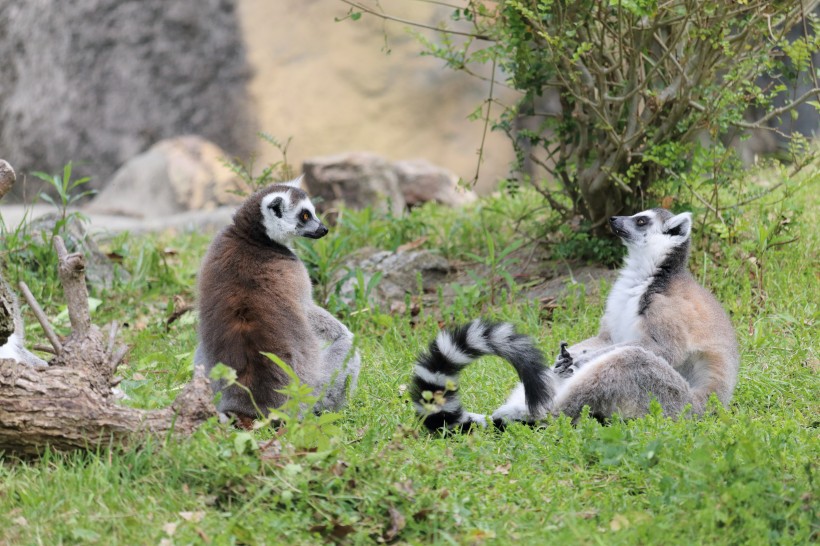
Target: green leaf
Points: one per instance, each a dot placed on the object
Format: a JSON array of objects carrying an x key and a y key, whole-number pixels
[
  {"x": 243, "y": 442},
  {"x": 285, "y": 367},
  {"x": 223, "y": 372}
]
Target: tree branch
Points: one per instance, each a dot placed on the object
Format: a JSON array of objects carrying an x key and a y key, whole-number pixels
[
  {"x": 41, "y": 318},
  {"x": 814, "y": 92},
  {"x": 489, "y": 102},
  {"x": 387, "y": 17},
  {"x": 72, "y": 276}
]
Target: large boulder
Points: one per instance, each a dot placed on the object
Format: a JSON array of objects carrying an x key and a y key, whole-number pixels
[
  {"x": 98, "y": 81},
  {"x": 7, "y": 177},
  {"x": 420, "y": 181},
  {"x": 400, "y": 272},
  {"x": 357, "y": 179},
  {"x": 362, "y": 179},
  {"x": 174, "y": 176}
]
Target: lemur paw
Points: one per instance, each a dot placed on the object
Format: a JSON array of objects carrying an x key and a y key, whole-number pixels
[
  {"x": 509, "y": 413},
  {"x": 564, "y": 361}
]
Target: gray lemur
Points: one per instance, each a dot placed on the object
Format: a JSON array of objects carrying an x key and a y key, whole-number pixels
[
  {"x": 662, "y": 336},
  {"x": 255, "y": 296}
]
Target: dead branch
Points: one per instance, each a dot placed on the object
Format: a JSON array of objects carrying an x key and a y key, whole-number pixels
[
  {"x": 388, "y": 17},
  {"x": 54, "y": 407},
  {"x": 69, "y": 404},
  {"x": 44, "y": 348},
  {"x": 41, "y": 318},
  {"x": 72, "y": 276},
  {"x": 180, "y": 308}
]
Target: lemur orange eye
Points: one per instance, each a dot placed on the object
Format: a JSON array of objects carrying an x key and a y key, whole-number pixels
[
  {"x": 305, "y": 216},
  {"x": 642, "y": 221}
]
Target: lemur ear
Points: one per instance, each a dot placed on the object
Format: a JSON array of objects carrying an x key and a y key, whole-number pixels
[
  {"x": 679, "y": 225},
  {"x": 295, "y": 183},
  {"x": 276, "y": 206}
]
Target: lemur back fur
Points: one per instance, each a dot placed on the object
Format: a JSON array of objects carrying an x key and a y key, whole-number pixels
[
  {"x": 662, "y": 336},
  {"x": 255, "y": 296}
]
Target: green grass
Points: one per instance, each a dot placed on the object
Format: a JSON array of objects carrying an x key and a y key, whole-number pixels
[{"x": 747, "y": 474}]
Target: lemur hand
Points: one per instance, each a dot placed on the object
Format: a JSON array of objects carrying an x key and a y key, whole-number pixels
[{"x": 563, "y": 363}]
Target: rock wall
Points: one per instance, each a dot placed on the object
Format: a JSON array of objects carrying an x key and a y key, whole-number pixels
[
  {"x": 363, "y": 85},
  {"x": 99, "y": 81}
]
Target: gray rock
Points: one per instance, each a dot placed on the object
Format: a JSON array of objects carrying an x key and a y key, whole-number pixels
[
  {"x": 175, "y": 175},
  {"x": 420, "y": 181},
  {"x": 357, "y": 179},
  {"x": 98, "y": 81},
  {"x": 399, "y": 270},
  {"x": 557, "y": 288},
  {"x": 105, "y": 225},
  {"x": 7, "y": 177}
]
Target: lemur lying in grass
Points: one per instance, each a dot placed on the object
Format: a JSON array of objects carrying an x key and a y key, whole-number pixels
[{"x": 662, "y": 336}]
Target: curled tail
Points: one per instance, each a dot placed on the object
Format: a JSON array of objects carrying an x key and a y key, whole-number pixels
[{"x": 434, "y": 389}]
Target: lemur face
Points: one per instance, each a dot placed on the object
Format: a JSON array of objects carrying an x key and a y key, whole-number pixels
[
  {"x": 288, "y": 213},
  {"x": 654, "y": 230}
]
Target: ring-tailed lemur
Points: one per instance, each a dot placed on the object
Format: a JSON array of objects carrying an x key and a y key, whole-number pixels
[
  {"x": 662, "y": 336},
  {"x": 255, "y": 296}
]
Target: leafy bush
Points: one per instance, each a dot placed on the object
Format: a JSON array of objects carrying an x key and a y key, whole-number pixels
[{"x": 650, "y": 92}]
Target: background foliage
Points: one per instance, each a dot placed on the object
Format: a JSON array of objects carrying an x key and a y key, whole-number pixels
[{"x": 652, "y": 96}]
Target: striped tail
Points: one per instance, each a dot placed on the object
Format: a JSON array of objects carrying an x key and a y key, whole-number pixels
[{"x": 434, "y": 389}]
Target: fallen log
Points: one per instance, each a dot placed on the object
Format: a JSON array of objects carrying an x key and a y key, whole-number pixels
[
  {"x": 57, "y": 407},
  {"x": 69, "y": 404}
]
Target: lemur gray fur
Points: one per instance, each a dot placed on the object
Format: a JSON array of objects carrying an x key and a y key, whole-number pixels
[
  {"x": 662, "y": 335},
  {"x": 255, "y": 296},
  {"x": 11, "y": 342}
]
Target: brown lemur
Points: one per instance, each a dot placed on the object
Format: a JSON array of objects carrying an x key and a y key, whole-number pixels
[
  {"x": 662, "y": 336},
  {"x": 255, "y": 296}
]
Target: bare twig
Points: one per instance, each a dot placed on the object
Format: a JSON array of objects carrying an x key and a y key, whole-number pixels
[
  {"x": 44, "y": 348},
  {"x": 489, "y": 102},
  {"x": 388, "y": 17},
  {"x": 780, "y": 243},
  {"x": 118, "y": 356},
  {"x": 700, "y": 198},
  {"x": 112, "y": 339},
  {"x": 41, "y": 318},
  {"x": 758, "y": 124},
  {"x": 803, "y": 18},
  {"x": 758, "y": 196}
]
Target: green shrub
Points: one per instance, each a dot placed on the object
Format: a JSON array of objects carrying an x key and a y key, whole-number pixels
[{"x": 651, "y": 93}]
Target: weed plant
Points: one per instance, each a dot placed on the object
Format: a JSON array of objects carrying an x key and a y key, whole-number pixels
[{"x": 747, "y": 474}]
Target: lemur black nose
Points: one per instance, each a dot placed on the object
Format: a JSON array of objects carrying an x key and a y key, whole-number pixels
[{"x": 613, "y": 219}]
